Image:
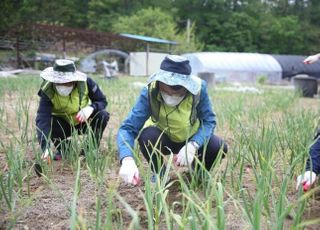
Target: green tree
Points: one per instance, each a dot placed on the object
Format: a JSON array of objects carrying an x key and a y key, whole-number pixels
[
  {"x": 222, "y": 25},
  {"x": 237, "y": 33},
  {"x": 102, "y": 14},
  {"x": 282, "y": 35},
  {"x": 314, "y": 12},
  {"x": 156, "y": 23},
  {"x": 188, "y": 42},
  {"x": 70, "y": 13},
  {"x": 149, "y": 22},
  {"x": 9, "y": 11},
  {"x": 273, "y": 26}
]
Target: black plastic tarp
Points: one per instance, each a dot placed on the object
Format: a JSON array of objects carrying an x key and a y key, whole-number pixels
[{"x": 293, "y": 64}]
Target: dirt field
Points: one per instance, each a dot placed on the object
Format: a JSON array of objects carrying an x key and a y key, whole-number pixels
[{"x": 46, "y": 203}]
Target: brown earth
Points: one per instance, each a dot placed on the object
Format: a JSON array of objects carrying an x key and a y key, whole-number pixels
[{"x": 46, "y": 205}]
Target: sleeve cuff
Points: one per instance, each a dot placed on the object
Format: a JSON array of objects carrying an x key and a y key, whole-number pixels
[{"x": 122, "y": 156}]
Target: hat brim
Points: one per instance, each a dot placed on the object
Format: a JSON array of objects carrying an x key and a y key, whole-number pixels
[
  {"x": 62, "y": 77},
  {"x": 190, "y": 82}
]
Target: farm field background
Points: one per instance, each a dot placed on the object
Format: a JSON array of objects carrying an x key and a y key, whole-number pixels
[{"x": 268, "y": 135}]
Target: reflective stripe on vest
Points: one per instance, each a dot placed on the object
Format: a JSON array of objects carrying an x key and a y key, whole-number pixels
[{"x": 67, "y": 107}]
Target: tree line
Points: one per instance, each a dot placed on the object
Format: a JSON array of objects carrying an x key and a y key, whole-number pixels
[{"x": 265, "y": 26}]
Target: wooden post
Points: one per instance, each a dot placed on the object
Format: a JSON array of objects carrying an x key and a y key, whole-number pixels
[
  {"x": 18, "y": 51},
  {"x": 147, "y": 59},
  {"x": 64, "y": 48},
  {"x": 170, "y": 48}
]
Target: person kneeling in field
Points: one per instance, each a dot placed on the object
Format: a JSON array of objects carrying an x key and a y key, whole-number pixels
[
  {"x": 69, "y": 101},
  {"x": 173, "y": 115},
  {"x": 313, "y": 163}
]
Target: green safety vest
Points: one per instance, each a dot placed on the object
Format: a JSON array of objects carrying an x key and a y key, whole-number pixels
[
  {"x": 178, "y": 122},
  {"x": 67, "y": 107}
]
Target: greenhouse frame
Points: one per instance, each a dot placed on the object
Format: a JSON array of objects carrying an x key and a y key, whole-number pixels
[{"x": 248, "y": 67}]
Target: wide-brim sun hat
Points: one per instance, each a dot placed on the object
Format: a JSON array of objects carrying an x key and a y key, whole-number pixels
[
  {"x": 63, "y": 71},
  {"x": 176, "y": 70}
]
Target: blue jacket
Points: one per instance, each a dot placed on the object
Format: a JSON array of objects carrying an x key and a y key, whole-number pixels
[
  {"x": 132, "y": 125},
  {"x": 43, "y": 119},
  {"x": 314, "y": 157}
]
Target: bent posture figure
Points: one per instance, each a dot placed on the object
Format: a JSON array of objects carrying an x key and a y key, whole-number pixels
[
  {"x": 69, "y": 100},
  {"x": 173, "y": 115}
]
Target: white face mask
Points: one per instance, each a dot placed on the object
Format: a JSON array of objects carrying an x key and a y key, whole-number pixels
[
  {"x": 171, "y": 100},
  {"x": 64, "y": 90}
]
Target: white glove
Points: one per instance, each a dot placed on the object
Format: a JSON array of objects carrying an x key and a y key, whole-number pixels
[
  {"x": 46, "y": 156},
  {"x": 129, "y": 171},
  {"x": 306, "y": 180},
  {"x": 84, "y": 113},
  {"x": 311, "y": 59},
  {"x": 187, "y": 154}
]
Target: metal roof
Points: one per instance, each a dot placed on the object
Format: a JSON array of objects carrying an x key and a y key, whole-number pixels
[{"x": 148, "y": 39}]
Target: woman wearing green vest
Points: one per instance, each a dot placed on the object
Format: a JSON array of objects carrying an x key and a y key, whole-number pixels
[
  {"x": 69, "y": 100},
  {"x": 174, "y": 115}
]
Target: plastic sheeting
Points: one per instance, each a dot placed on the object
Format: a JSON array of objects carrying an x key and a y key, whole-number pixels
[
  {"x": 236, "y": 66},
  {"x": 293, "y": 65}
]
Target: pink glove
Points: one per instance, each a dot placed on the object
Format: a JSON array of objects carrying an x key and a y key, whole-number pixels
[
  {"x": 311, "y": 59},
  {"x": 186, "y": 154},
  {"x": 306, "y": 180},
  {"x": 129, "y": 171},
  {"x": 84, "y": 114}
]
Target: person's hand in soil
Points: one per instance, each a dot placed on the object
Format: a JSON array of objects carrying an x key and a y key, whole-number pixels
[
  {"x": 46, "y": 156},
  {"x": 306, "y": 180},
  {"x": 129, "y": 171}
]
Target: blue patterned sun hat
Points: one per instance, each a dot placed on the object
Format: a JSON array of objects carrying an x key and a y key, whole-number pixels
[
  {"x": 176, "y": 70},
  {"x": 63, "y": 71}
]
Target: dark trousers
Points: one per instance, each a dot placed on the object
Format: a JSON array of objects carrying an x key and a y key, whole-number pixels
[
  {"x": 313, "y": 163},
  {"x": 150, "y": 136},
  {"x": 61, "y": 129}
]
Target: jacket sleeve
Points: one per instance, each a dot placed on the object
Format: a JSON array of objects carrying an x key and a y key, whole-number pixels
[
  {"x": 98, "y": 99},
  {"x": 43, "y": 120},
  {"x": 131, "y": 126},
  {"x": 313, "y": 163},
  {"x": 206, "y": 116}
]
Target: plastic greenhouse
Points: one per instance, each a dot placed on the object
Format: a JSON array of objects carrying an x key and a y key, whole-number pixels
[
  {"x": 236, "y": 66},
  {"x": 248, "y": 67}
]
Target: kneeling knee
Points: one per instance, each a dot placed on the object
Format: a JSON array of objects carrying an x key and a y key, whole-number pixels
[{"x": 102, "y": 115}]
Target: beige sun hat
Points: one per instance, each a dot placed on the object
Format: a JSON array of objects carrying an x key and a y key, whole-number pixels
[{"x": 63, "y": 71}]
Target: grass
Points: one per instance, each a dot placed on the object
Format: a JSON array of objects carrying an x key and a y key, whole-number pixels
[{"x": 268, "y": 135}]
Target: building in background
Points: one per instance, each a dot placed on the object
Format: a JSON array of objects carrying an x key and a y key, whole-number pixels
[
  {"x": 239, "y": 67},
  {"x": 138, "y": 66}
]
